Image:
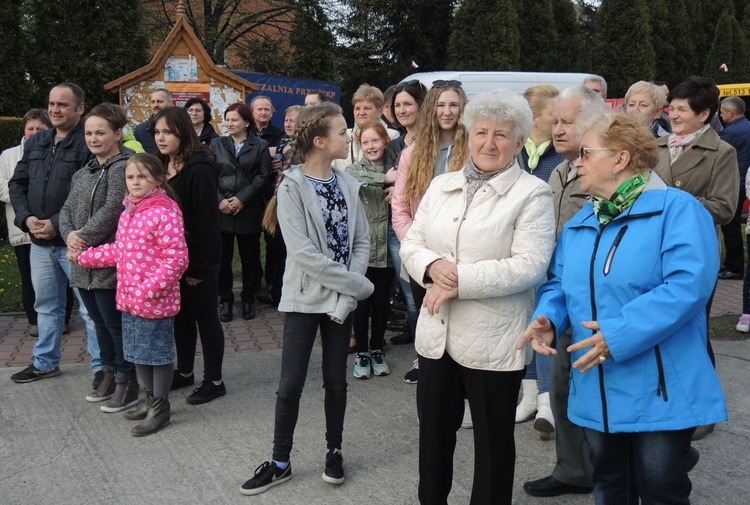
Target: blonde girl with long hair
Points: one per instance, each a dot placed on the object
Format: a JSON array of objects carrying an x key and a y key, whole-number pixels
[
  {"x": 441, "y": 146},
  {"x": 318, "y": 211}
]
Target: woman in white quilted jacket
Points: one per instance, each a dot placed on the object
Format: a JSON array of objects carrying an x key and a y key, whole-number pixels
[{"x": 481, "y": 240}]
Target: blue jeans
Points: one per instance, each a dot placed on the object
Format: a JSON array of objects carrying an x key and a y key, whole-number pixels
[
  {"x": 50, "y": 271},
  {"x": 651, "y": 466},
  {"x": 299, "y": 337},
  {"x": 102, "y": 308},
  {"x": 394, "y": 246},
  {"x": 539, "y": 370}
]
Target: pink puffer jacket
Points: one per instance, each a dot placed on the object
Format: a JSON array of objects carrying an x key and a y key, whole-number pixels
[{"x": 150, "y": 254}]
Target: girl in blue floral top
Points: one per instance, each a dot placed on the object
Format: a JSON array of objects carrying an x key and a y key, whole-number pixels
[{"x": 318, "y": 211}]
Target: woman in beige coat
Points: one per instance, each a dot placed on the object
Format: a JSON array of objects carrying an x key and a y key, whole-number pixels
[
  {"x": 694, "y": 159},
  {"x": 481, "y": 240}
]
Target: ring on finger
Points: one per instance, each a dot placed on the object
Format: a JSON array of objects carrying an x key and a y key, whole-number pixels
[{"x": 602, "y": 358}]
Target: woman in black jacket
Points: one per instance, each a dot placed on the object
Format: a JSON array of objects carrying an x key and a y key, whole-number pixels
[
  {"x": 200, "y": 117},
  {"x": 192, "y": 174},
  {"x": 245, "y": 174}
]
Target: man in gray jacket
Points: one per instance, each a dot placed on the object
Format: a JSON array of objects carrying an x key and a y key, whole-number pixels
[
  {"x": 38, "y": 190},
  {"x": 572, "y": 472}
]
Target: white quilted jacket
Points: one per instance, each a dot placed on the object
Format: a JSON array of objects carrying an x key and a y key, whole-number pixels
[{"x": 502, "y": 244}]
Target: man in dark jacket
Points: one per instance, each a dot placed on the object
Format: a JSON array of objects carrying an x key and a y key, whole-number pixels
[
  {"x": 736, "y": 133},
  {"x": 160, "y": 98},
  {"x": 262, "y": 109},
  {"x": 38, "y": 190}
]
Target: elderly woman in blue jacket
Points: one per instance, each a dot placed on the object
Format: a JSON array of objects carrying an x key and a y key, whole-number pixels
[{"x": 631, "y": 276}]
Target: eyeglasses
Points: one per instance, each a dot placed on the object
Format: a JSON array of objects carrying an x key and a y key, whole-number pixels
[
  {"x": 195, "y": 111},
  {"x": 585, "y": 150},
  {"x": 450, "y": 84}
]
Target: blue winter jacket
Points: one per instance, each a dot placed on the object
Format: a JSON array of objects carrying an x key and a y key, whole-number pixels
[{"x": 646, "y": 278}]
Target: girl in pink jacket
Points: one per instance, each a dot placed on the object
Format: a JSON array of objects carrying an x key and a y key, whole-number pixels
[{"x": 151, "y": 255}]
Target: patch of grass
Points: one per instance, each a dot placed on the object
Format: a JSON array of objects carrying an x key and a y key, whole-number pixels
[
  {"x": 10, "y": 280},
  {"x": 723, "y": 328}
]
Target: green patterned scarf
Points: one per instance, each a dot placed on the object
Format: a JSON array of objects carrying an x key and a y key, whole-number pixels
[{"x": 624, "y": 196}]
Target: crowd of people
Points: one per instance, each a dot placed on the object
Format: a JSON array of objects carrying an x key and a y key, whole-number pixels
[{"x": 543, "y": 244}]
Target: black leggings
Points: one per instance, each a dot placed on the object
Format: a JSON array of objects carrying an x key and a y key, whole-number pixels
[
  {"x": 377, "y": 304},
  {"x": 198, "y": 313},
  {"x": 299, "y": 337}
]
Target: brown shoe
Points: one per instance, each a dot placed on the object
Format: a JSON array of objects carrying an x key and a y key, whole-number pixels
[
  {"x": 106, "y": 388},
  {"x": 158, "y": 416},
  {"x": 139, "y": 414},
  {"x": 126, "y": 396},
  {"x": 33, "y": 330}
]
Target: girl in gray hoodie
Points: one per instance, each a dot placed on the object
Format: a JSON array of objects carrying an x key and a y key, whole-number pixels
[{"x": 318, "y": 210}]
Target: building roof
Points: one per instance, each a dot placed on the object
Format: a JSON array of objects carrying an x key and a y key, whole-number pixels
[{"x": 182, "y": 31}]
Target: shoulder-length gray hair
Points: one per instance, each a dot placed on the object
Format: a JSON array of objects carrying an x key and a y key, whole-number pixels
[{"x": 499, "y": 106}]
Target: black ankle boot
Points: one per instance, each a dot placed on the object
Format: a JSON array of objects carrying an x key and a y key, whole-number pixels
[
  {"x": 225, "y": 313},
  {"x": 248, "y": 311}
]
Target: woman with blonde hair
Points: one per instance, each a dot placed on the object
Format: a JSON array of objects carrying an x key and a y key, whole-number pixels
[
  {"x": 441, "y": 146},
  {"x": 646, "y": 99},
  {"x": 368, "y": 102},
  {"x": 538, "y": 157}
]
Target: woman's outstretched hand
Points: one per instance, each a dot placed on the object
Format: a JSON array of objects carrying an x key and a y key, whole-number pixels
[{"x": 540, "y": 334}]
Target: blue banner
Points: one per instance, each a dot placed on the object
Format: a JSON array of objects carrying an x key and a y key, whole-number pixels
[{"x": 286, "y": 91}]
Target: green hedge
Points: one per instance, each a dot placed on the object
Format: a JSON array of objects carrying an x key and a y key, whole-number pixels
[{"x": 11, "y": 131}]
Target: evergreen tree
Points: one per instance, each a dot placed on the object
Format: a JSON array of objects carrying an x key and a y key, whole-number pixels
[
  {"x": 569, "y": 44},
  {"x": 537, "y": 35},
  {"x": 704, "y": 17},
  {"x": 88, "y": 42},
  {"x": 729, "y": 47},
  {"x": 15, "y": 89},
  {"x": 485, "y": 36},
  {"x": 674, "y": 49},
  {"x": 587, "y": 33},
  {"x": 380, "y": 39},
  {"x": 623, "y": 52},
  {"x": 312, "y": 43}
]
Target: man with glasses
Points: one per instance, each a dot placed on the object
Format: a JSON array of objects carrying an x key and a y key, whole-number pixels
[{"x": 160, "y": 98}]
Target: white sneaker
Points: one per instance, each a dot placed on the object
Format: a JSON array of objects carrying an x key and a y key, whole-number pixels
[
  {"x": 744, "y": 323},
  {"x": 467, "y": 423}
]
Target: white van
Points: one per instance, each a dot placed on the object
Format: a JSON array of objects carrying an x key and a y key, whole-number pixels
[{"x": 474, "y": 83}]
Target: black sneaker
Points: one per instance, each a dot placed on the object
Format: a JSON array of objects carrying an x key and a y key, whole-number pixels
[
  {"x": 402, "y": 339},
  {"x": 334, "y": 472},
  {"x": 179, "y": 381},
  {"x": 266, "y": 476},
  {"x": 206, "y": 392},
  {"x": 32, "y": 373},
  {"x": 412, "y": 376}
]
